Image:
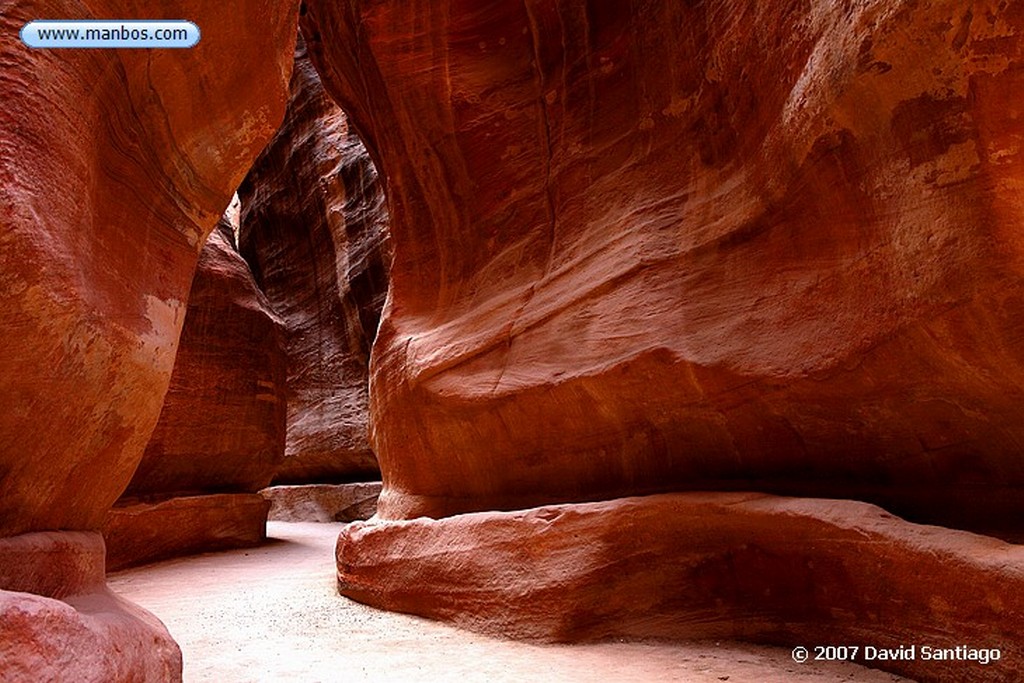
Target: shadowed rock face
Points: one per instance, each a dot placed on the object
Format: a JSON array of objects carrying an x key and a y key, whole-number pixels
[
  {"x": 314, "y": 230},
  {"x": 693, "y": 245},
  {"x": 222, "y": 424},
  {"x": 114, "y": 166},
  {"x": 221, "y": 430}
]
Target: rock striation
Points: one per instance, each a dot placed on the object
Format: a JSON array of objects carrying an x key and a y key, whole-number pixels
[
  {"x": 694, "y": 246},
  {"x": 314, "y": 229},
  {"x": 114, "y": 167}
]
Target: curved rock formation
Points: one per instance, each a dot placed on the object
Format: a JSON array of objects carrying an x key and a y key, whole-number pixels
[
  {"x": 708, "y": 566},
  {"x": 220, "y": 436},
  {"x": 314, "y": 230},
  {"x": 114, "y": 166},
  {"x": 754, "y": 246},
  {"x": 223, "y": 422},
  {"x": 59, "y": 622},
  {"x": 764, "y": 246}
]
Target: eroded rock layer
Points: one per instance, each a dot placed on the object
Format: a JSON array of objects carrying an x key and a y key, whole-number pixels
[
  {"x": 314, "y": 230},
  {"x": 59, "y": 622},
  {"x": 765, "y": 245},
  {"x": 706, "y": 565},
  {"x": 137, "y": 532}
]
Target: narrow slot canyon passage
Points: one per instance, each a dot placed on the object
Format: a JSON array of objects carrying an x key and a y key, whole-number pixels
[
  {"x": 517, "y": 340},
  {"x": 273, "y": 613}
]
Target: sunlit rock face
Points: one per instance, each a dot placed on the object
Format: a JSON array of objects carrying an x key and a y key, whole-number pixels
[
  {"x": 114, "y": 167},
  {"x": 314, "y": 229},
  {"x": 220, "y": 436},
  {"x": 768, "y": 246}
]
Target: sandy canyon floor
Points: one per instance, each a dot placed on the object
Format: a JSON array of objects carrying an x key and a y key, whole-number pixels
[{"x": 273, "y": 614}]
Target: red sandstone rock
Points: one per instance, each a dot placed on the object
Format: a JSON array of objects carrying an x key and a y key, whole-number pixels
[
  {"x": 766, "y": 245},
  {"x": 58, "y": 621},
  {"x": 137, "y": 533},
  {"x": 223, "y": 422},
  {"x": 114, "y": 166},
  {"x": 93, "y": 638},
  {"x": 323, "y": 502},
  {"x": 221, "y": 430},
  {"x": 729, "y": 565},
  {"x": 314, "y": 229}
]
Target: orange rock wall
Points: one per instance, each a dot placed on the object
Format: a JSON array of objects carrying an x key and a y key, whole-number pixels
[
  {"x": 114, "y": 166},
  {"x": 764, "y": 245}
]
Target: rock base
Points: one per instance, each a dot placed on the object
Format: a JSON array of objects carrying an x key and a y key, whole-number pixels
[
  {"x": 784, "y": 571},
  {"x": 323, "y": 502},
  {"x": 58, "y": 621},
  {"x": 138, "y": 533}
]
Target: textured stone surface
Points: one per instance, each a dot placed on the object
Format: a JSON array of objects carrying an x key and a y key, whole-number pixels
[
  {"x": 223, "y": 422},
  {"x": 114, "y": 166},
  {"x": 737, "y": 245},
  {"x": 703, "y": 565},
  {"x": 93, "y": 638},
  {"x": 322, "y": 502},
  {"x": 314, "y": 230},
  {"x": 58, "y": 621},
  {"x": 140, "y": 532}
]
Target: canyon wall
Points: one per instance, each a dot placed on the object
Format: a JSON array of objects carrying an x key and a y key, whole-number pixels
[
  {"x": 766, "y": 246},
  {"x": 220, "y": 436},
  {"x": 314, "y": 229},
  {"x": 114, "y": 166},
  {"x": 728, "y": 246}
]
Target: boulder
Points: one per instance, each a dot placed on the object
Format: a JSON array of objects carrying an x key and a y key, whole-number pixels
[
  {"x": 59, "y": 622},
  {"x": 794, "y": 572},
  {"x": 322, "y": 502}
]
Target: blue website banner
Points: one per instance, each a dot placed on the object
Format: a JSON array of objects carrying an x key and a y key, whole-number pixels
[{"x": 110, "y": 33}]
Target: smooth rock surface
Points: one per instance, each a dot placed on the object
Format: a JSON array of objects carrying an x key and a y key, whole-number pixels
[
  {"x": 58, "y": 621},
  {"x": 93, "y": 638},
  {"x": 222, "y": 427},
  {"x": 140, "y": 532},
  {"x": 273, "y": 614},
  {"x": 702, "y": 565},
  {"x": 742, "y": 246},
  {"x": 322, "y": 502},
  {"x": 114, "y": 166},
  {"x": 314, "y": 229}
]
